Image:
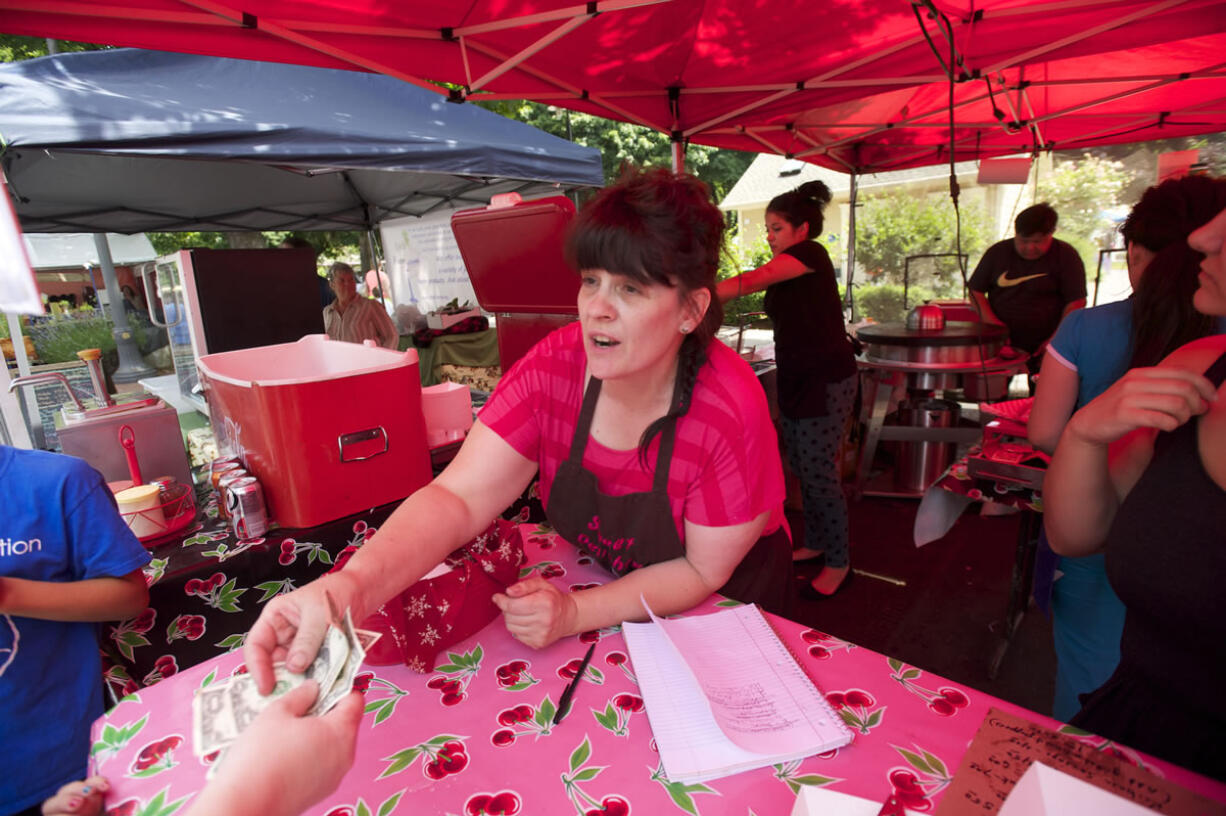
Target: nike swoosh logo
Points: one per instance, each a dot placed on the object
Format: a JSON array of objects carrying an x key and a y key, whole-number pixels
[{"x": 1005, "y": 281}]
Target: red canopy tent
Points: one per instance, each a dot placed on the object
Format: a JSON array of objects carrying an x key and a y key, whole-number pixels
[{"x": 851, "y": 84}]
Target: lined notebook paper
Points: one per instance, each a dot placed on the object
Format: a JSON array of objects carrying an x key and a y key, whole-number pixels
[{"x": 724, "y": 695}]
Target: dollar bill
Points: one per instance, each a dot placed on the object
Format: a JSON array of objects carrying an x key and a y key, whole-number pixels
[
  {"x": 354, "y": 656},
  {"x": 329, "y": 661},
  {"x": 223, "y": 710}
]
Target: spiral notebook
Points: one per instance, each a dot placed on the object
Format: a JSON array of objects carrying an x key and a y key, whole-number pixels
[{"x": 724, "y": 694}]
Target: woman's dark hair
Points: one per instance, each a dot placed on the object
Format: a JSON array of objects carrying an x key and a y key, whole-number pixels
[
  {"x": 657, "y": 227},
  {"x": 803, "y": 205},
  {"x": 1163, "y": 318}
]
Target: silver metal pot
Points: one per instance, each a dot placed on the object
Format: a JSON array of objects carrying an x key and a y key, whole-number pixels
[{"x": 956, "y": 344}]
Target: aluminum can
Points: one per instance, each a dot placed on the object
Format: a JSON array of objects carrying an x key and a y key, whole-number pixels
[
  {"x": 220, "y": 470},
  {"x": 217, "y": 463},
  {"x": 227, "y": 478},
  {"x": 245, "y": 504}
]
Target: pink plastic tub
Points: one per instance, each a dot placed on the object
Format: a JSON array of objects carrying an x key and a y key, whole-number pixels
[{"x": 329, "y": 428}]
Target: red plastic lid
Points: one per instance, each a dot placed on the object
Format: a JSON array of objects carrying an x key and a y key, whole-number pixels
[{"x": 514, "y": 256}]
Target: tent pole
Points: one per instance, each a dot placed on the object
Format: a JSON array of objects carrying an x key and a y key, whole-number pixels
[
  {"x": 678, "y": 156},
  {"x": 131, "y": 366},
  {"x": 376, "y": 254},
  {"x": 853, "y": 192}
]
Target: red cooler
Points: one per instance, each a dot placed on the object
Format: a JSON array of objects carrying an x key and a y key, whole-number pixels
[
  {"x": 329, "y": 428},
  {"x": 513, "y": 254}
]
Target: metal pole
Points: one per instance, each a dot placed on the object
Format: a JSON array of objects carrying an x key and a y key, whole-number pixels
[
  {"x": 853, "y": 191},
  {"x": 678, "y": 156},
  {"x": 377, "y": 256},
  {"x": 131, "y": 366}
]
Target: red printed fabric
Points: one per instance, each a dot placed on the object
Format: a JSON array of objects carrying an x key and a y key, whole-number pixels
[
  {"x": 436, "y": 613},
  {"x": 477, "y": 323},
  {"x": 725, "y": 469}
]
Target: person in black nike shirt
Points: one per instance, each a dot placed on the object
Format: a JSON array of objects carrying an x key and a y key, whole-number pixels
[{"x": 1030, "y": 282}]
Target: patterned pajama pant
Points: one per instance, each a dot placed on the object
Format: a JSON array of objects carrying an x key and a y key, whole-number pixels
[{"x": 812, "y": 445}]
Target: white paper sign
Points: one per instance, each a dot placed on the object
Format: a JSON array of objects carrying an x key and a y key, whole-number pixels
[
  {"x": 424, "y": 263},
  {"x": 18, "y": 292}
]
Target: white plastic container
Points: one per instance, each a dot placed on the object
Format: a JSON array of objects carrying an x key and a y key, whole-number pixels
[
  {"x": 141, "y": 508},
  {"x": 448, "y": 410}
]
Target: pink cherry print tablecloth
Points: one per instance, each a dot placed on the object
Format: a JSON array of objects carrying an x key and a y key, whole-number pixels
[{"x": 475, "y": 735}]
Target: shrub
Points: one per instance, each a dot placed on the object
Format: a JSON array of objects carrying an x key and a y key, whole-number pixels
[
  {"x": 735, "y": 261},
  {"x": 58, "y": 339},
  {"x": 883, "y": 302}
]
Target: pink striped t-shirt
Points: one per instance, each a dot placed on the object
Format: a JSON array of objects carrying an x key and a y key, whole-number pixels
[{"x": 725, "y": 469}]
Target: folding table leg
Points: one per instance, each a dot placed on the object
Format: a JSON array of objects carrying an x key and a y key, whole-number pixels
[{"x": 1020, "y": 586}]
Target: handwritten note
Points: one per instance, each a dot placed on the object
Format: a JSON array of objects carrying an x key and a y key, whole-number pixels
[
  {"x": 724, "y": 695},
  {"x": 1006, "y": 745}
]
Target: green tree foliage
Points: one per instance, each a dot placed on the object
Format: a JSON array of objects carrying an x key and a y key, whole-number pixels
[
  {"x": 1081, "y": 189},
  {"x": 892, "y": 226},
  {"x": 14, "y": 47},
  {"x": 165, "y": 243},
  {"x": 620, "y": 142},
  {"x": 733, "y": 261}
]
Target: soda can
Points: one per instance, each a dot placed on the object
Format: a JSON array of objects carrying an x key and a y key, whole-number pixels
[
  {"x": 220, "y": 470},
  {"x": 220, "y": 461},
  {"x": 245, "y": 505},
  {"x": 228, "y": 478}
]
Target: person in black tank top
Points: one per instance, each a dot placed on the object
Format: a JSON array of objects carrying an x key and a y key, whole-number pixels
[{"x": 1140, "y": 473}]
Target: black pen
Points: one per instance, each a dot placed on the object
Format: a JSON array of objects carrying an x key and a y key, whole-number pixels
[{"x": 569, "y": 691}]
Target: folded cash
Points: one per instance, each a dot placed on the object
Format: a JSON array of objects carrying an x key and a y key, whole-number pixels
[{"x": 223, "y": 710}]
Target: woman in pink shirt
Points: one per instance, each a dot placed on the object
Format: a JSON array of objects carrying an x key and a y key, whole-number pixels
[{"x": 653, "y": 443}]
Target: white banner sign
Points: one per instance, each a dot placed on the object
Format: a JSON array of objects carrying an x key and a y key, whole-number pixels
[
  {"x": 18, "y": 292},
  {"x": 424, "y": 262}
]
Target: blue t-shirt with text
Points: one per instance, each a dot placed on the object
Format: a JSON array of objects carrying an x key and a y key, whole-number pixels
[{"x": 59, "y": 523}]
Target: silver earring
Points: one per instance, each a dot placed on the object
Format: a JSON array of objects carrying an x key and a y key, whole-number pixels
[{"x": 685, "y": 328}]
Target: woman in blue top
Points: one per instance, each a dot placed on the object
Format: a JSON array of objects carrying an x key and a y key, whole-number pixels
[
  {"x": 816, "y": 368},
  {"x": 1090, "y": 351}
]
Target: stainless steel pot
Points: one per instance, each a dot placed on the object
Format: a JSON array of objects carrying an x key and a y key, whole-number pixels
[{"x": 956, "y": 344}]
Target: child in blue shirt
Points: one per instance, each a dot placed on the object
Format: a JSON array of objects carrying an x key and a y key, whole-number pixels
[{"x": 67, "y": 561}]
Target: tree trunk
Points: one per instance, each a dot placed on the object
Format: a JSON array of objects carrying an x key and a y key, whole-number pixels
[{"x": 366, "y": 252}]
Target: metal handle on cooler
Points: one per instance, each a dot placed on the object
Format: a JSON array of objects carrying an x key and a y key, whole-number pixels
[{"x": 362, "y": 436}]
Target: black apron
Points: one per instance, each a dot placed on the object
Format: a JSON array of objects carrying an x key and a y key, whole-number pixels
[{"x": 623, "y": 533}]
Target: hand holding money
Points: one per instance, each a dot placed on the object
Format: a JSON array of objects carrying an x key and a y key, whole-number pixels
[
  {"x": 291, "y": 627},
  {"x": 221, "y": 711},
  {"x": 287, "y": 760}
]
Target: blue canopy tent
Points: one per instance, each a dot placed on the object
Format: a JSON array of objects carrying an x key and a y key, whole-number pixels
[{"x": 130, "y": 140}]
